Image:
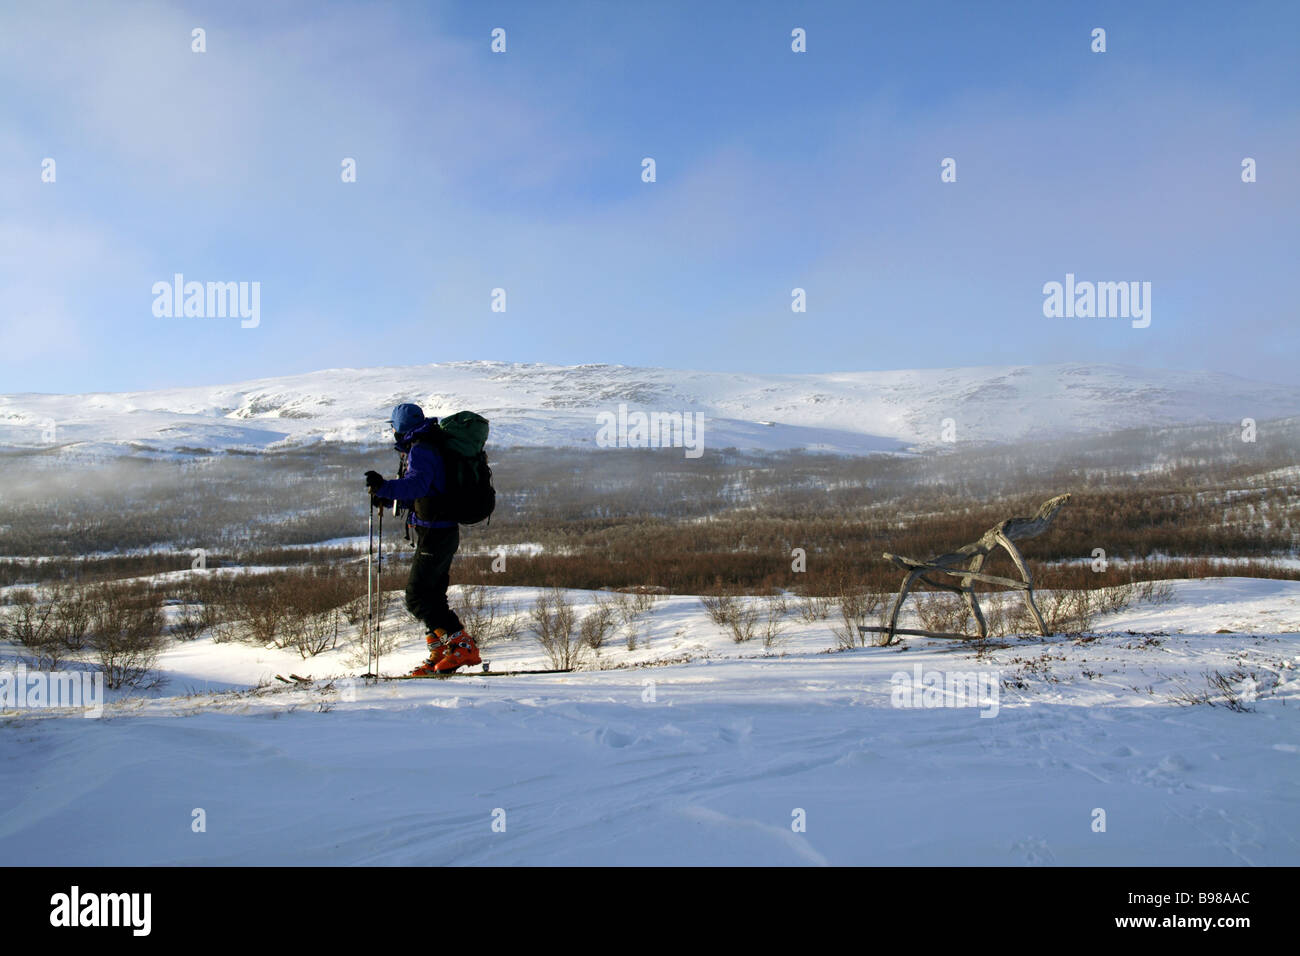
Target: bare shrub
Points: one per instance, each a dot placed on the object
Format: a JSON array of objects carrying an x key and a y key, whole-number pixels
[
  {"x": 628, "y": 614},
  {"x": 1156, "y": 592},
  {"x": 354, "y": 611},
  {"x": 815, "y": 607},
  {"x": 193, "y": 618},
  {"x": 553, "y": 622},
  {"x": 644, "y": 599},
  {"x": 720, "y": 607},
  {"x": 261, "y": 611},
  {"x": 857, "y": 605},
  {"x": 1226, "y": 686},
  {"x": 509, "y": 624},
  {"x": 1220, "y": 689},
  {"x": 743, "y": 620},
  {"x": 773, "y": 622},
  {"x": 942, "y": 611},
  {"x": 1113, "y": 599},
  {"x": 72, "y": 616},
  {"x": 312, "y": 632},
  {"x": 477, "y": 608},
  {"x": 780, "y": 602},
  {"x": 225, "y": 631},
  {"x": 597, "y": 625},
  {"x": 1067, "y": 612},
  {"x": 314, "y": 610},
  {"x": 746, "y": 617},
  {"x": 362, "y": 651},
  {"x": 126, "y": 633},
  {"x": 486, "y": 616},
  {"x": 31, "y": 623},
  {"x": 1006, "y": 614}
]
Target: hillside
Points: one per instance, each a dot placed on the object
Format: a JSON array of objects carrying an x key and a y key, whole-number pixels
[{"x": 534, "y": 405}]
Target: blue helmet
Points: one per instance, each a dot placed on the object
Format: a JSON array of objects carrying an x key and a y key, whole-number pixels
[{"x": 405, "y": 417}]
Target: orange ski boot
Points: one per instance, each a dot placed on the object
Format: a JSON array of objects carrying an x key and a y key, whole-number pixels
[
  {"x": 437, "y": 644},
  {"x": 461, "y": 650}
]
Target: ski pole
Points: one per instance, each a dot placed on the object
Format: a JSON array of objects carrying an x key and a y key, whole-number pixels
[
  {"x": 379, "y": 589},
  {"x": 370, "y": 581}
]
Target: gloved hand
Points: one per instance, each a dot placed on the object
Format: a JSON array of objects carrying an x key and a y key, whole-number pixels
[
  {"x": 380, "y": 504},
  {"x": 373, "y": 480}
]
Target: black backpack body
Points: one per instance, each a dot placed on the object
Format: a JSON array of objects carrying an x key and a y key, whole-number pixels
[{"x": 469, "y": 497}]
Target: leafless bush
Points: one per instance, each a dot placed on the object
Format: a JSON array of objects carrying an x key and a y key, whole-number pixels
[
  {"x": 774, "y": 622},
  {"x": 261, "y": 611},
  {"x": 72, "y": 616},
  {"x": 780, "y": 602},
  {"x": 314, "y": 610},
  {"x": 1005, "y": 613},
  {"x": 225, "y": 631},
  {"x": 553, "y": 622},
  {"x": 302, "y": 611},
  {"x": 942, "y": 611},
  {"x": 597, "y": 625},
  {"x": 857, "y": 605},
  {"x": 743, "y": 620},
  {"x": 628, "y": 614},
  {"x": 312, "y": 632},
  {"x": 1111, "y": 600},
  {"x": 193, "y": 618},
  {"x": 720, "y": 607},
  {"x": 1156, "y": 592},
  {"x": 30, "y": 623},
  {"x": 126, "y": 633},
  {"x": 1220, "y": 689},
  {"x": 1226, "y": 686},
  {"x": 815, "y": 607},
  {"x": 354, "y": 611},
  {"x": 509, "y": 625},
  {"x": 485, "y": 615},
  {"x": 385, "y": 640},
  {"x": 1067, "y": 612},
  {"x": 746, "y": 617},
  {"x": 644, "y": 601}
]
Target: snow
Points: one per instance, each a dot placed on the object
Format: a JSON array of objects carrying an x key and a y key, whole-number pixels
[
  {"x": 535, "y": 404},
  {"x": 707, "y": 760}
]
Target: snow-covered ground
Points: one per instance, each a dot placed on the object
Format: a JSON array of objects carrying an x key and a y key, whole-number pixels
[{"x": 695, "y": 750}]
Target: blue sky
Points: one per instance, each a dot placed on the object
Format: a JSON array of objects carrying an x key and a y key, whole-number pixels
[{"x": 522, "y": 170}]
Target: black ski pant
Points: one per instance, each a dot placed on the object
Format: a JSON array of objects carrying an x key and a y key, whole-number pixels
[{"x": 426, "y": 587}]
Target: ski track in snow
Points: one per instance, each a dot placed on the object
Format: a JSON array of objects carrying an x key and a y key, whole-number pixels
[{"x": 590, "y": 771}]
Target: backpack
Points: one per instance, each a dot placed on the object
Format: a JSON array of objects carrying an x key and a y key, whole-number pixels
[{"x": 470, "y": 497}]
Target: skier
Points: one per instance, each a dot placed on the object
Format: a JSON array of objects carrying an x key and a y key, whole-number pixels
[{"x": 437, "y": 537}]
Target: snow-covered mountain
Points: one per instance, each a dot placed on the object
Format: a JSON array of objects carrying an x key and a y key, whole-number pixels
[{"x": 533, "y": 404}]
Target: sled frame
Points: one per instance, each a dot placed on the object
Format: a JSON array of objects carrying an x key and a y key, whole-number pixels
[{"x": 967, "y": 564}]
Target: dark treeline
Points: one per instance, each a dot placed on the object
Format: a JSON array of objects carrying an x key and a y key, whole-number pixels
[{"x": 728, "y": 520}]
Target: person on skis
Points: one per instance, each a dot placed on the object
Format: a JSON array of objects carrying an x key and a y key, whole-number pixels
[{"x": 423, "y": 481}]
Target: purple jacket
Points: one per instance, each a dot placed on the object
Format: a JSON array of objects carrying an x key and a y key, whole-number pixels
[{"x": 425, "y": 475}]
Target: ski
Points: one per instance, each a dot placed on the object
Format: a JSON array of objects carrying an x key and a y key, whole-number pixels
[{"x": 568, "y": 670}]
